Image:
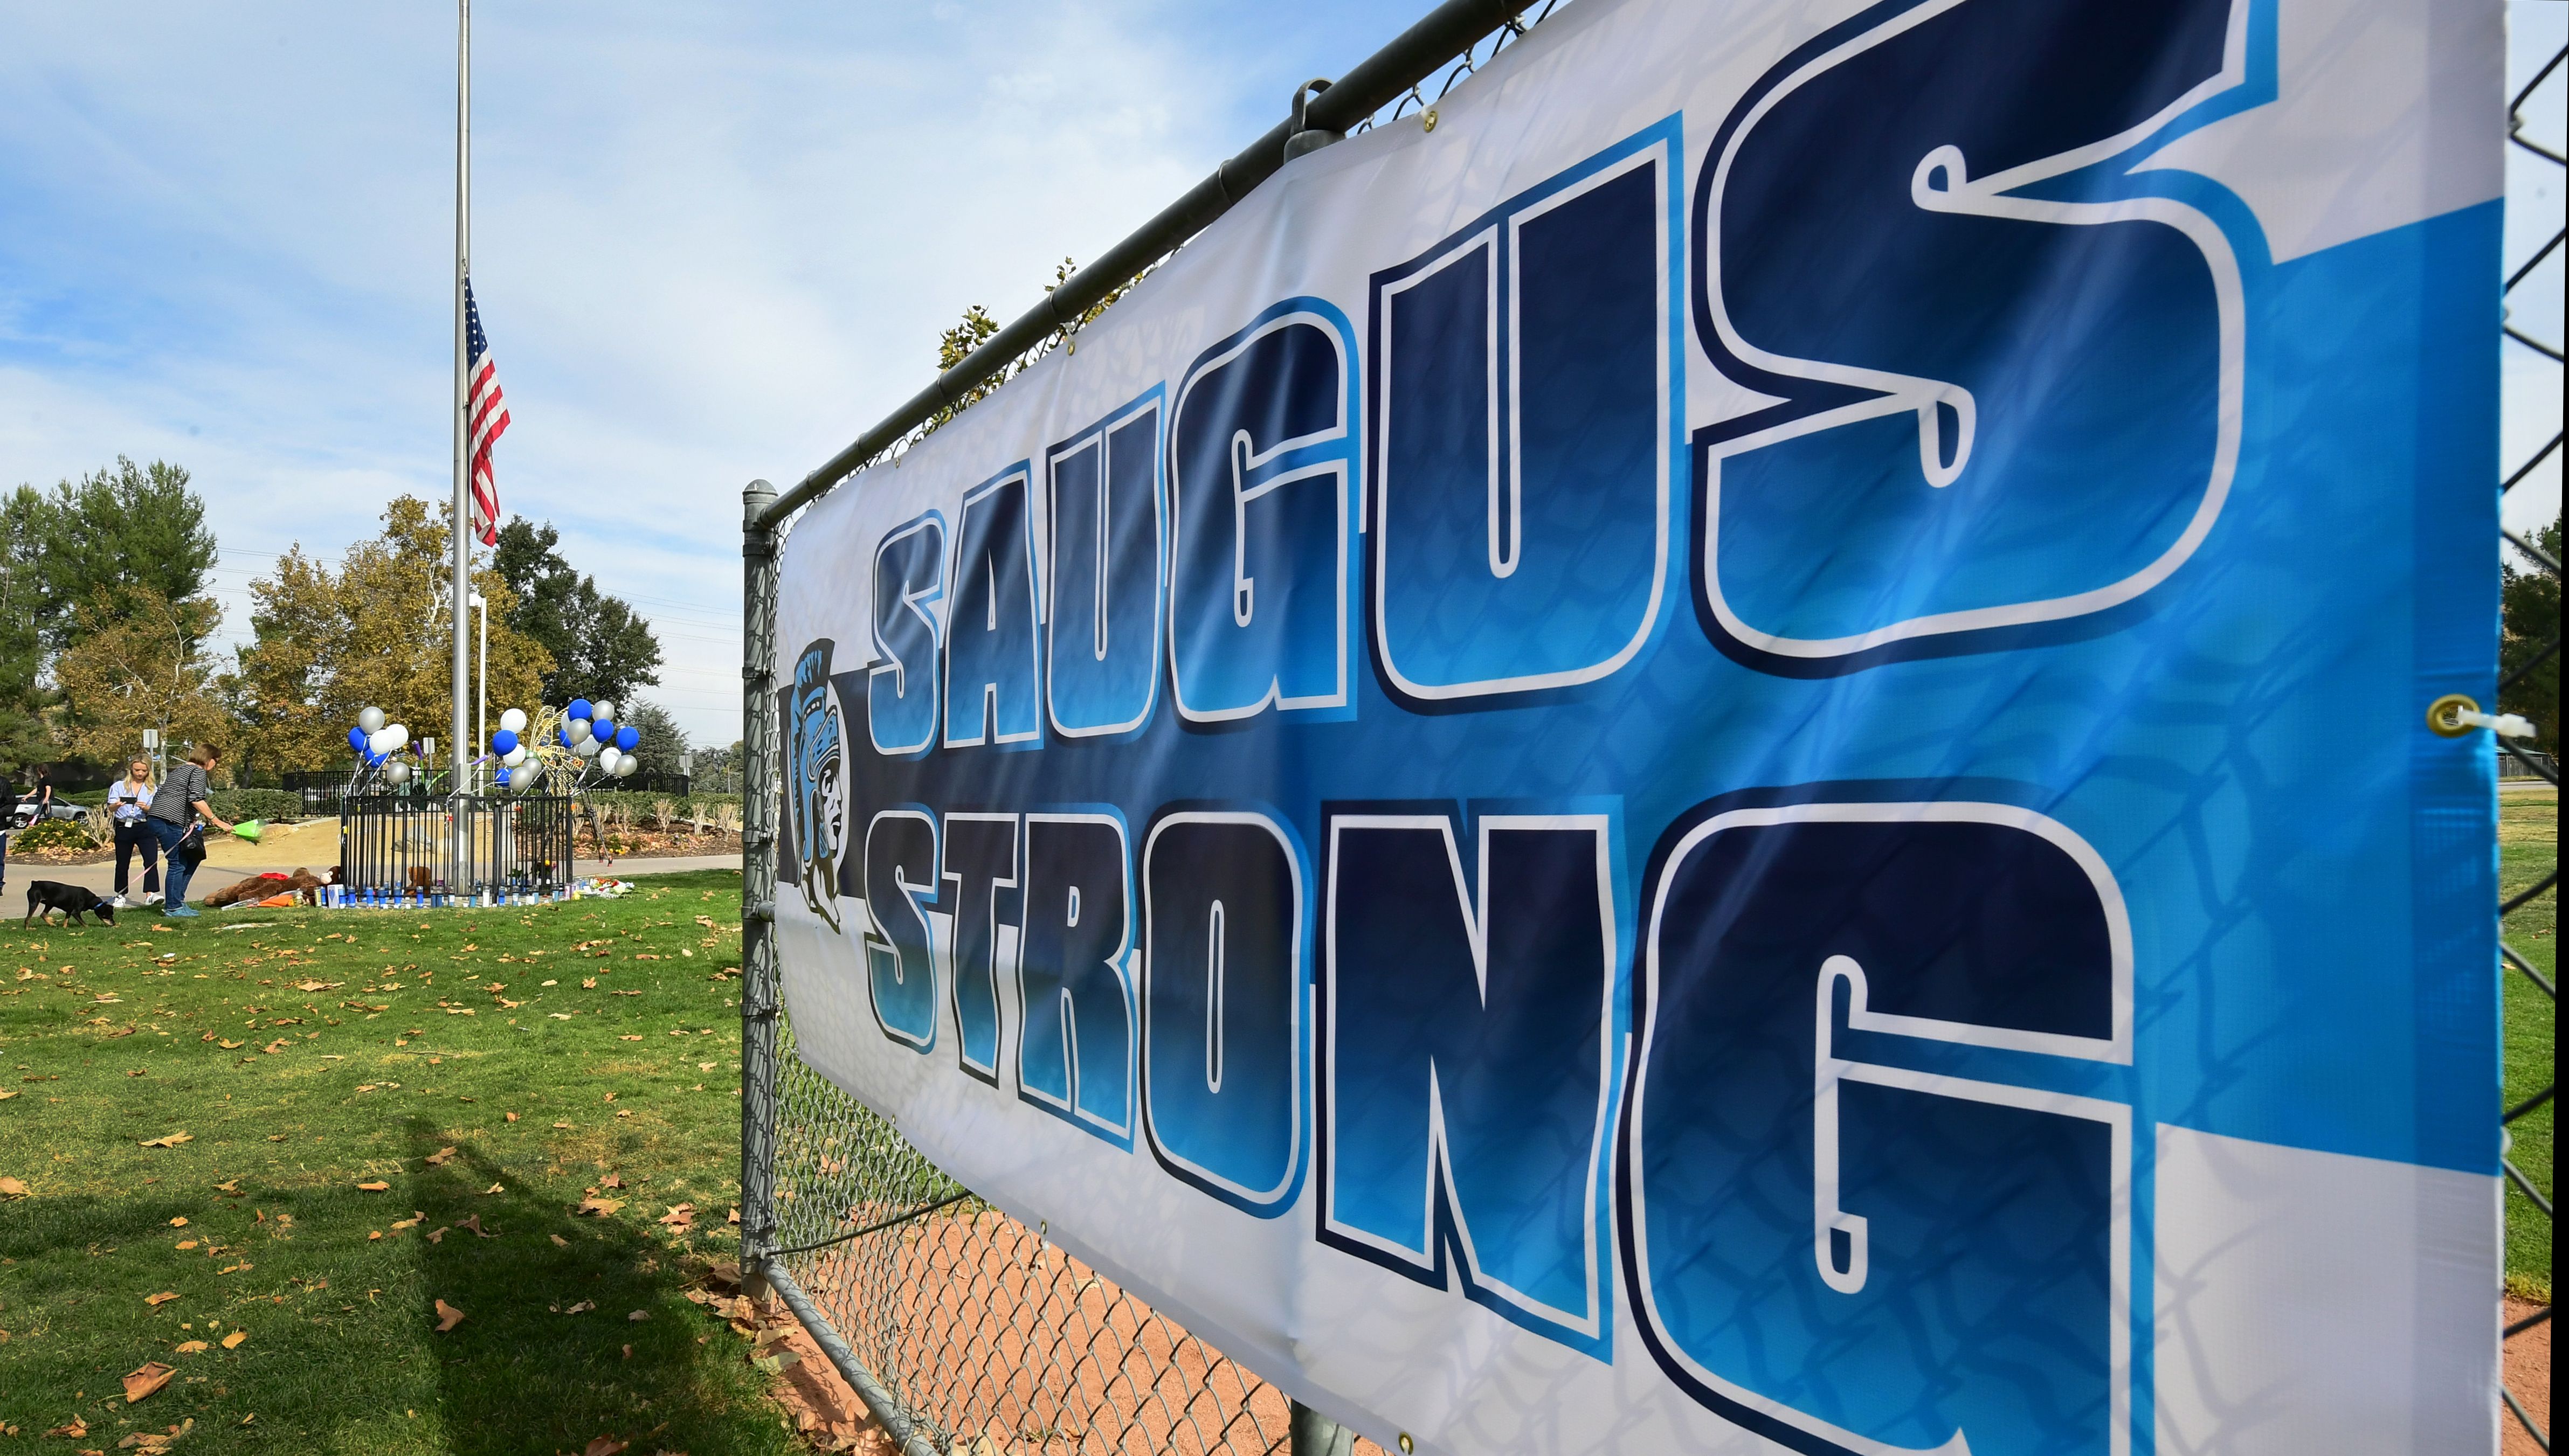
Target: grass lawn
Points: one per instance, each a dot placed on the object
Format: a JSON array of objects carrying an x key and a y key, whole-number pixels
[
  {"x": 2528, "y": 848},
  {"x": 339, "y": 1087}
]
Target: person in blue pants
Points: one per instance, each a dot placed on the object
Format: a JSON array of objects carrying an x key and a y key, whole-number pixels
[{"x": 180, "y": 800}]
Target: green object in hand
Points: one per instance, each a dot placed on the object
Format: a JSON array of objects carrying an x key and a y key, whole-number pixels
[{"x": 250, "y": 828}]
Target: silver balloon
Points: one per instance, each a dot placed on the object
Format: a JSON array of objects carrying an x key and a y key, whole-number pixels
[
  {"x": 625, "y": 764},
  {"x": 603, "y": 709},
  {"x": 397, "y": 772},
  {"x": 586, "y": 748},
  {"x": 514, "y": 720},
  {"x": 524, "y": 776},
  {"x": 579, "y": 730},
  {"x": 371, "y": 719}
]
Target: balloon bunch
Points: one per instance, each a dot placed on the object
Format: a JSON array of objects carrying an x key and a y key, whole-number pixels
[
  {"x": 574, "y": 742},
  {"x": 591, "y": 732},
  {"x": 519, "y": 769},
  {"x": 377, "y": 741}
]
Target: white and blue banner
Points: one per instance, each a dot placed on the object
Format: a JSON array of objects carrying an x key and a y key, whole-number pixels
[{"x": 1724, "y": 749}]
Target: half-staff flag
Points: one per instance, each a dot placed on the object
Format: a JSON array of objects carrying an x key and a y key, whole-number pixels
[{"x": 486, "y": 417}]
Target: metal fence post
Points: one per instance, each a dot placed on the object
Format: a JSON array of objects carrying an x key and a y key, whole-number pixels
[{"x": 758, "y": 986}]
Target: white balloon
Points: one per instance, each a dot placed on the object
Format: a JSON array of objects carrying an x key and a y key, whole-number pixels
[
  {"x": 400, "y": 735},
  {"x": 607, "y": 758},
  {"x": 514, "y": 720},
  {"x": 578, "y": 729},
  {"x": 371, "y": 719},
  {"x": 397, "y": 772},
  {"x": 380, "y": 741},
  {"x": 515, "y": 756},
  {"x": 586, "y": 748},
  {"x": 625, "y": 765},
  {"x": 603, "y": 709}
]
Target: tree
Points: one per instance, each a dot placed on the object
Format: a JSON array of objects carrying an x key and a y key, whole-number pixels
[
  {"x": 663, "y": 739},
  {"x": 135, "y": 533},
  {"x": 138, "y": 660},
  {"x": 374, "y": 632},
  {"x": 2530, "y": 596},
  {"x": 23, "y": 740},
  {"x": 601, "y": 647}
]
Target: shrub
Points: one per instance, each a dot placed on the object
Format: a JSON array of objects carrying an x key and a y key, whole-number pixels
[
  {"x": 266, "y": 804},
  {"x": 53, "y": 834}
]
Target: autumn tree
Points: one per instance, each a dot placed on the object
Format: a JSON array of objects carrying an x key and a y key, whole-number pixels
[
  {"x": 375, "y": 631},
  {"x": 138, "y": 660}
]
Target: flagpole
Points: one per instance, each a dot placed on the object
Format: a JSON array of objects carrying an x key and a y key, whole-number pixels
[{"x": 463, "y": 518}]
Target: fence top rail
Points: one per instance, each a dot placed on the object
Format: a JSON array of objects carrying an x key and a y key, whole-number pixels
[{"x": 1431, "y": 45}]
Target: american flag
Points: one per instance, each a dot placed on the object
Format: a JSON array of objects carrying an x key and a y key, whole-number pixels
[{"x": 486, "y": 419}]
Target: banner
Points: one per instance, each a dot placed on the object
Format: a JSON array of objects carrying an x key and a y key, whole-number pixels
[{"x": 1724, "y": 747}]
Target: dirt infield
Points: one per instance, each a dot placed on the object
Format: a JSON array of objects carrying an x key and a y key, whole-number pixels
[{"x": 1008, "y": 1346}]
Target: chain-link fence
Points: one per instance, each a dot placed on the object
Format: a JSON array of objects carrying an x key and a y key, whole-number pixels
[
  {"x": 2534, "y": 139},
  {"x": 968, "y": 1332}
]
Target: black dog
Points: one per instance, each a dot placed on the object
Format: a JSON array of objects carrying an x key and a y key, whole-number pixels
[{"x": 48, "y": 896}]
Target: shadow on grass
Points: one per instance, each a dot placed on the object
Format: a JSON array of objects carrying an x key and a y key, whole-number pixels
[{"x": 523, "y": 1372}]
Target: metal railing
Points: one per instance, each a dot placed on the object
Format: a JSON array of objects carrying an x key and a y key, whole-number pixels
[
  {"x": 463, "y": 846},
  {"x": 962, "y": 1329}
]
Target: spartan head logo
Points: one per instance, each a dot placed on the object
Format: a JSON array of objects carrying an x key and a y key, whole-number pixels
[{"x": 816, "y": 761}]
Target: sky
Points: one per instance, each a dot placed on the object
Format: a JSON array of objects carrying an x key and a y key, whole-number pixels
[{"x": 710, "y": 243}]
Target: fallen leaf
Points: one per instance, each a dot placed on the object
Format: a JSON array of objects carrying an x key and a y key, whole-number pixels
[
  {"x": 171, "y": 1140},
  {"x": 558, "y": 1240},
  {"x": 494, "y": 1188},
  {"x": 562, "y": 1125},
  {"x": 512, "y": 1117},
  {"x": 159, "y": 1299},
  {"x": 683, "y": 1216},
  {"x": 599, "y": 1206},
  {"x": 146, "y": 1380},
  {"x": 75, "y": 1429},
  {"x": 437, "y": 1236},
  {"x": 473, "y": 1223},
  {"x": 440, "y": 1157},
  {"x": 232, "y": 1341},
  {"x": 192, "y": 1347},
  {"x": 448, "y": 1316},
  {"x": 376, "y": 1187},
  {"x": 230, "y": 1045},
  {"x": 582, "y": 1307},
  {"x": 612, "y": 1180},
  {"x": 603, "y": 1446},
  {"x": 179, "y": 1222},
  {"x": 414, "y": 1221},
  {"x": 187, "y": 1243},
  {"x": 733, "y": 1217},
  {"x": 628, "y": 1039},
  {"x": 6, "y": 1094},
  {"x": 637, "y": 1317},
  {"x": 12, "y": 1188}
]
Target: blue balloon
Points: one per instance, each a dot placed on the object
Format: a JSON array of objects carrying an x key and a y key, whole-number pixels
[
  {"x": 357, "y": 739},
  {"x": 503, "y": 741},
  {"x": 578, "y": 708},
  {"x": 373, "y": 758},
  {"x": 627, "y": 737},
  {"x": 564, "y": 735},
  {"x": 603, "y": 730}
]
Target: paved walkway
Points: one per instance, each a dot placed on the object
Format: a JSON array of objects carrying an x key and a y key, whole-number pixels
[{"x": 211, "y": 876}]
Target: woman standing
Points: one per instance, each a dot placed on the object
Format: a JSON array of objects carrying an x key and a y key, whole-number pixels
[
  {"x": 175, "y": 805},
  {"x": 127, "y": 799}
]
